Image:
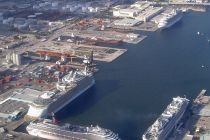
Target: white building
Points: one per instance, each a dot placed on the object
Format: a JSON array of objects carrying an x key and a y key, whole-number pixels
[
  {"x": 149, "y": 13},
  {"x": 140, "y": 5},
  {"x": 93, "y": 9},
  {"x": 131, "y": 13}
]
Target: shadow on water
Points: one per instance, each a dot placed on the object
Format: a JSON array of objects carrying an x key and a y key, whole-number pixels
[{"x": 88, "y": 99}]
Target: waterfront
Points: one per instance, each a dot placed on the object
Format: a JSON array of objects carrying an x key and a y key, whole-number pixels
[{"x": 132, "y": 91}]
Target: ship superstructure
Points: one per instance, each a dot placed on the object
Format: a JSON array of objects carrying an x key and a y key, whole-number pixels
[
  {"x": 170, "y": 19},
  {"x": 67, "y": 89},
  {"x": 167, "y": 121},
  {"x": 46, "y": 129}
]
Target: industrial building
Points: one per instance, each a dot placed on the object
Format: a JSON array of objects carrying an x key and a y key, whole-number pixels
[
  {"x": 125, "y": 12},
  {"x": 14, "y": 58},
  {"x": 149, "y": 13},
  {"x": 127, "y": 22},
  {"x": 141, "y": 6}
]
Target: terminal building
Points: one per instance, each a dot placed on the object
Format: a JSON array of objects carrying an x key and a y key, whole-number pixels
[
  {"x": 128, "y": 13},
  {"x": 149, "y": 13},
  {"x": 141, "y": 6}
]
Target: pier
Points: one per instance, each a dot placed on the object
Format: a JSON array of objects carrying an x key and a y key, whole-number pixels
[{"x": 196, "y": 121}]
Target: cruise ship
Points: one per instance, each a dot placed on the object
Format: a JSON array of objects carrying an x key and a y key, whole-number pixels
[
  {"x": 170, "y": 19},
  {"x": 68, "y": 88},
  {"x": 167, "y": 121},
  {"x": 47, "y": 129}
]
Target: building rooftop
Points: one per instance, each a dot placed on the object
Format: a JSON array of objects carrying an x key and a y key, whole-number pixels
[{"x": 188, "y": 137}]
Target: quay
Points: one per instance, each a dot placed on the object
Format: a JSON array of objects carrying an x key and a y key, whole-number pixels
[{"x": 196, "y": 121}]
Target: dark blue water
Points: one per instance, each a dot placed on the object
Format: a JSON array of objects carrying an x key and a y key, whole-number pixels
[{"x": 131, "y": 92}]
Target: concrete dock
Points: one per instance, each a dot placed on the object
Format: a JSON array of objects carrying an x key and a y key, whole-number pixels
[{"x": 196, "y": 121}]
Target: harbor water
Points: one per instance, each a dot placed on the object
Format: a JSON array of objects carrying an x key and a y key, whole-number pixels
[{"x": 132, "y": 91}]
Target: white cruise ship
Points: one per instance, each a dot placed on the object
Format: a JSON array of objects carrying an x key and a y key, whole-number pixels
[
  {"x": 167, "y": 121},
  {"x": 170, "y": 19},
  {"x": 46, "y": 129},
  {"x": 67, "y": 89}
]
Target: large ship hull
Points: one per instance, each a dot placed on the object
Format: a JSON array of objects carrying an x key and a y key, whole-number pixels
[
  {"x": 35, "y": 112},
  {"x": 166, "y": 129},
  {"x": 175, "y": 19},
  {"x": 71, "y": 132},
  {"x": 74, "y": 136}
]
